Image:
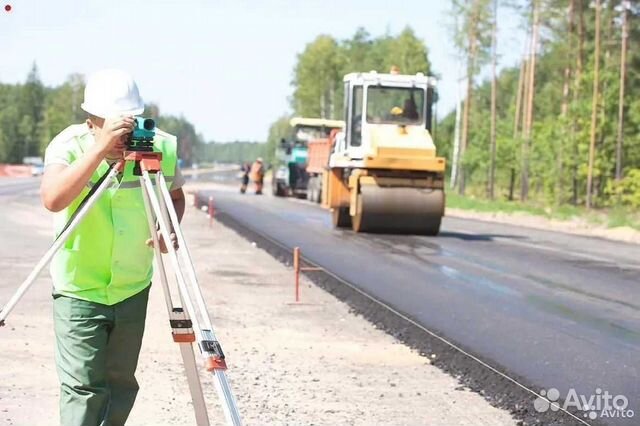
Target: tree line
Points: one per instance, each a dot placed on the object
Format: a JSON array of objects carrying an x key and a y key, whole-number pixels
[
  {"x": 317, "y": 83},
  {"x": 560, "y": 127},
  {"x": 232, "y": 152},
  {"x": 317, "y": 78},
  {"x": 31, "y": 114}
]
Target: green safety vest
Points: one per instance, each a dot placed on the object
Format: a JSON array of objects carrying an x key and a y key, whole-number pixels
[{"x": 105, "y": 260}]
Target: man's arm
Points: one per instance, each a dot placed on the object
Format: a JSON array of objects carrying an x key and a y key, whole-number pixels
[
  {"x": 179, "y": 203},
  {"x": 61, "y": 184}
]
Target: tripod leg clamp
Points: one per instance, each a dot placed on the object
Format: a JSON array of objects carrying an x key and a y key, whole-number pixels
[
  {"x": 215, "y": 356},
  {"x": 181, "y": 327},
  {"x": 212, "y": 364}
]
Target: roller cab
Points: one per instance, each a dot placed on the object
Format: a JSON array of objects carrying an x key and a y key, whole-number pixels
[{"x": 383, "y": 173}]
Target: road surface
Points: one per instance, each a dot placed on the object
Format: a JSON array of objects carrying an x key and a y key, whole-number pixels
[
  {"x": 559, "y": 311},
  {"x": 16, "y": 186},
  {"x": 553, "y": 310}
]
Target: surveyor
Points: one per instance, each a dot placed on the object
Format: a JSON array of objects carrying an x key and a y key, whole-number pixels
[
  {"x": 101, "y": 276},
  {"x": 257, "y": 175}
]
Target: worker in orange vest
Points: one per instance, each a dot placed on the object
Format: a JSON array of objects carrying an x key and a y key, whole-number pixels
[{"x": 257, "y": 175}]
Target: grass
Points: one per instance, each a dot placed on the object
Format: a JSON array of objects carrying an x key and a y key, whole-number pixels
[
  {"x": 623, "y": 217},
  {"x": 610, "y": 217},
  {"x": 488, "y": 206}
]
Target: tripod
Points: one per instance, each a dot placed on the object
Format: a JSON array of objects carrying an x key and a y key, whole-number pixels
[{"x": 192, "y": 313}]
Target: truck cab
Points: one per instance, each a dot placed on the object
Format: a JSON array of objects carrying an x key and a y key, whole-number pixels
[{"x": 290, "y": 176}]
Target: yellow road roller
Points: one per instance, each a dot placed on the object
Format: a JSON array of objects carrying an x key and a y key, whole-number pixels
[{"x": 383, "y": 173}]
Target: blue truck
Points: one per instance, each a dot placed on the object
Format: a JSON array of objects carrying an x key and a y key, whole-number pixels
[{"x": 290, "y": 177}]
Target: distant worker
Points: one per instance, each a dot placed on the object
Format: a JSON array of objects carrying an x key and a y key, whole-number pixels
[
  {"x": 246, "y": 169},
  {"x": 102, "y": 274},
  {"x": 395, "y": 70},
  {"x": 257, "y": 175}
]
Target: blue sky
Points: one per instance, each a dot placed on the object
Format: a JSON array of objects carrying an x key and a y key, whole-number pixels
[{"x": 225, "y": 65}]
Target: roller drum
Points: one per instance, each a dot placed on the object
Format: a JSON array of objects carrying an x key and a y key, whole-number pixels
[{"x": 399, "y": 210}]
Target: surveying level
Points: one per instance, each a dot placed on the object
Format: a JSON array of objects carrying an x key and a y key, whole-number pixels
[
  {"x": 190, "y": 322},
  {"x": 141, "y": 139}
]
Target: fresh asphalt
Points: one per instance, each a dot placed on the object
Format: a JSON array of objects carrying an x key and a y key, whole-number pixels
[{"x": 552, "y": 310}]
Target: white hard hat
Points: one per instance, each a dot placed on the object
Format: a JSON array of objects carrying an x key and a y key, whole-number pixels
[{"x": 112, "y": 93}]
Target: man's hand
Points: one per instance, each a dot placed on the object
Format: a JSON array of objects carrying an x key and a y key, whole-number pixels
[
  {"x": 163, "y": 246},
  {"x": 112, "y": 137}
]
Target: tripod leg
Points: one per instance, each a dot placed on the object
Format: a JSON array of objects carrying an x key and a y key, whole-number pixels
[
  {"x": 180, "y": 323},
  {"x": 191, "y": 370},
  {"x": 62, "y": 238},
  {"x": 209, "y": 346},
  {"x": 173, "y": 257},
  {"x": 156, "y": 248},
  {"x": 165, "y": 199}
]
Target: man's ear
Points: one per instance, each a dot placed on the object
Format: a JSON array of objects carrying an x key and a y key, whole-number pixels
[{"x": 89, "y": 123}]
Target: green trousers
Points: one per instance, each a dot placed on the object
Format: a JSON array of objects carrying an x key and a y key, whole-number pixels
[{"x": 97, "y": 348}]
